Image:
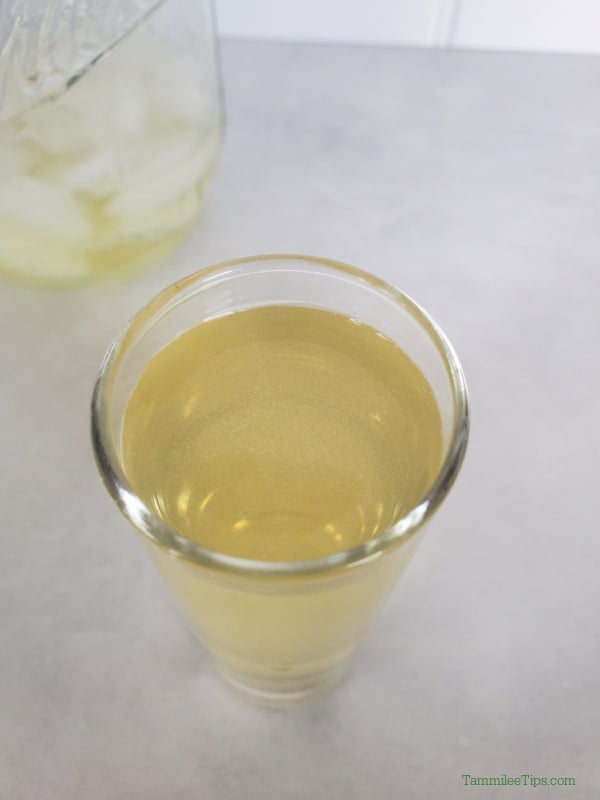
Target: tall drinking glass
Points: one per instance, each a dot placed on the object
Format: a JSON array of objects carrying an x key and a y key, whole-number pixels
[{"x": 280, "y": 631}]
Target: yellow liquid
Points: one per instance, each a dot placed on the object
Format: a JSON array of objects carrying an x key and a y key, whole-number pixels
[{"x": 281, "y": 433}]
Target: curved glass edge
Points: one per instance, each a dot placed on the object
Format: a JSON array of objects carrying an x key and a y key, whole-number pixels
[{"x": 160, "y": 534}]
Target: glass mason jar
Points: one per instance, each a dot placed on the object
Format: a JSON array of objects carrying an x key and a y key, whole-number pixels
[{"x": 111, "y": 120}]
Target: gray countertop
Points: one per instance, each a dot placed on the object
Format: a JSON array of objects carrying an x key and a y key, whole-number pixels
[{"x": 472, "y": 182}]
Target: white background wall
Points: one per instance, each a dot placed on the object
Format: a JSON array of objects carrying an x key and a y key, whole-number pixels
[{"x": 545, "y": 25}]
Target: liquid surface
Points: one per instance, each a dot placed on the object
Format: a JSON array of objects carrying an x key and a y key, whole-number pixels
[{"x": 281, "y": 433}]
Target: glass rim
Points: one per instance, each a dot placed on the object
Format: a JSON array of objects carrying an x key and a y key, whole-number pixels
[{"x": 159, "y": 533}]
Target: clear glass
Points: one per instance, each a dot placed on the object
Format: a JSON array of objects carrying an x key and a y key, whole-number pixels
[
  {"x": 111, "y": 119},
  {"x": 279, "y": 631}
]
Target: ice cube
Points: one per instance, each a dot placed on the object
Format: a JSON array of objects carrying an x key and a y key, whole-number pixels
[
  {"x": 180, "y": 91},
  {"x": 96, "y": 175},
  {"x": 77, "y": 121},
  {"x": 60, "y": 129},
  {"x": 128, "y": 111},
  {"x": 42, "y": 206},
  {"x": 157, "y": 224},
  {"x": 167, "y": 169}
]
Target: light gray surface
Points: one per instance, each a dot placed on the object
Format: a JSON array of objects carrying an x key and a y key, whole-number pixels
[{"x": 472, "y": 182}]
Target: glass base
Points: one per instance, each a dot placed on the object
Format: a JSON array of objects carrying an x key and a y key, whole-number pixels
[{"x": 286, "y": 689}]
